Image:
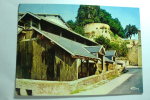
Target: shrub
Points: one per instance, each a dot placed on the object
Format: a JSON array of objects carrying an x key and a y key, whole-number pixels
[{"x": 120, "y": 47}]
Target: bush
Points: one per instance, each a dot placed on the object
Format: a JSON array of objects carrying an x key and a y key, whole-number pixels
[
  {"x": 103, "y": 41},
  {"x": 120, "y": 48}
]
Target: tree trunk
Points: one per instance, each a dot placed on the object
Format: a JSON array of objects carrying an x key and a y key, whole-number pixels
[{"x": 130, "y": 37}]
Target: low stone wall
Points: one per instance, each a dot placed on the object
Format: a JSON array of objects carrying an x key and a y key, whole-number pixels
[
  {"x": 45, "y": 88},
  {"x": 41, "y": 87}
]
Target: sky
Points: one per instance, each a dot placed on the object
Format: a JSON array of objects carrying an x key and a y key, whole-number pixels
[{"x": 126, "y": 15}]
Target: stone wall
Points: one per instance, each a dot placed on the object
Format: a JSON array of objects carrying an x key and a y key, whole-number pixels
[
  {"x": 47, "y": 88},
  {"x": 133, "y": 55},
  {"x": 94, "y": 30},
  {"x": 42, "y": 88}
]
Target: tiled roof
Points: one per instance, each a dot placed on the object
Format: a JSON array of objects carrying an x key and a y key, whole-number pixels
[
  {"x": 44, "y": 19},
  {"x": 111, "y": 53},
  {"x": 94, "y": 49},
  {"x": 72, "y": 47},
  {"x": 108, "y": 60}
]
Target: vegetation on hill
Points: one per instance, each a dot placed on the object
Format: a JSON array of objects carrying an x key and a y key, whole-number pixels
[
  {"x": 88, "y": 14},
  {"x": 120, "y": 47},
  {"x": 93, "y": 14},
  {"x": 75, "y": 27}
]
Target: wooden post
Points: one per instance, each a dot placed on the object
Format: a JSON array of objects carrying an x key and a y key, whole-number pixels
[
  {"x": 114, "y": 58},
  {"x": 103, "y": 64},
  {"x": 81, "y": 68},
  {"x": 87, "y": 61},
  {"x": 31, "y": 23},
  {"x": 107, "y": 66},
  {"x": 60, "y": 33},
  {"x": 39, "y": 25},
  {"x": 77, "y": 68}
]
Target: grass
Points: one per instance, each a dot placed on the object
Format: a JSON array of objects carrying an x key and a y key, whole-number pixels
[
  {"x": 77, "y": 91},
  {"x": 112, "y": 77},
  {"x": 94, "y": 85}
]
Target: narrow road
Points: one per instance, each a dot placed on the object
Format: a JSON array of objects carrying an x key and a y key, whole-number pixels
[
  {"x": 133, "y": 85},
  {"x": 128, "y": 83}
]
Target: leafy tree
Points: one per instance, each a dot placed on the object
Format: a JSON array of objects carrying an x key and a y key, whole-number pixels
[
  {"x": 114, "y": 23},
  {"x": 71, "y": 24},
  {"x": 79, "y": 30},
  {"x": 103, "y": 41},
  {"x": 104, "y": 16},
  {"x": 130, "y": 30},
  {"x": 87, "y": 14},
  {"x": 121, "y": 48},
  {"x": 75, "y": 27},
  {"x": 116, "y": 27}
]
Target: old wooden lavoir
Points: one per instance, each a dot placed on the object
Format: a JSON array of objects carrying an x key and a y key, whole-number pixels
[{"x": 47, "y": 49}]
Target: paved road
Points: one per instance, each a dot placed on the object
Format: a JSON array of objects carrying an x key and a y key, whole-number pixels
[{"x": 133, "y": 85}]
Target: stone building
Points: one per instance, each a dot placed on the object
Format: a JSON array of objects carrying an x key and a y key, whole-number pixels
[
  {"x": 47, "y": 50},
  {"x": 139, "y": 49},
  {"x": 94, "y": 30},
  {"x": 134, "y": 51}
]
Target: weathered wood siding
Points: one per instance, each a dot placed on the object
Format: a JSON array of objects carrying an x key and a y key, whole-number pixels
[
  {"x": 65, "y": 66},
  {"x": 24, "y": 60},
  {"x": 34, "y": 57},
  {"x": 38, "y": 58},
  {"x": 42, "y": 61},
  {"x": 24, "y": 56}
]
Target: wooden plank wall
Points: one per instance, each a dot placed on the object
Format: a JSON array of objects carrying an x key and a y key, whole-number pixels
[
  {"x": 42, "y": 60},
  {"x": 65, "y": 66}
]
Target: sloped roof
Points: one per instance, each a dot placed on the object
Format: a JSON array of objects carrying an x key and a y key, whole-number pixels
[
  {"x": 111, "y": 53},
  {"x": 94, "y": 49},
  {"x": 50, "y": 17},
  {"x": 108, "y": 60},
  {"x": 41, "y": 18},
  {"x": 72, "y": 47}
]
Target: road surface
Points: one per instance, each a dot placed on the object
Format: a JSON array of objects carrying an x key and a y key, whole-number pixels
[
  {"x": 128, "y": 83},
  {"x": 133, "y": 85}
]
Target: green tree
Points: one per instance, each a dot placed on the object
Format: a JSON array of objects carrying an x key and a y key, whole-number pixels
[
  {"x": 130, "y": 30},
  {"x": 121, "y": 48},
  {"x": 103, "y": 41},
  {"x": 71, "y": 24},
  {"x": 79, "y": 30},
  {"x": 114, "y": 23},
  {"x": 87, "y": 14},
  {"x": 104, "y": 16}
]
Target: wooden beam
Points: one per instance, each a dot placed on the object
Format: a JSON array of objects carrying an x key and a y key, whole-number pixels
[
  {"x": 85, "y": 58},
  {"x": 81, "y": 68},
  {"x": 87, "y": 61},
  {"x": 32, "y": 39}
]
